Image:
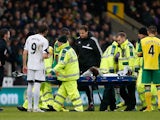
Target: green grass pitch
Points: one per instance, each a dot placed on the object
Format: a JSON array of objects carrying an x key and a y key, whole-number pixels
[{"x": 11, "y": 113}]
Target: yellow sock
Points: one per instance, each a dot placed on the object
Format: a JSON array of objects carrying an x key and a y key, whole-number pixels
[
  {"x": 148, "y": 99},
  {"x": 158, "y": 94}
]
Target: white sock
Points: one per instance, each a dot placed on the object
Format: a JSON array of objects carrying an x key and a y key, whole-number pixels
[
  {"x": 36, "y": 94},
  {"x": 29, "y": 95}
]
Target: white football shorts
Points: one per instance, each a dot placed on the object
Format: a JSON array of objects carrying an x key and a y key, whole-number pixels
[{"x": 36, "y": 75}]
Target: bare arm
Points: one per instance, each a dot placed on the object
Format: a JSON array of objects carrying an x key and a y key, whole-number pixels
[
  {"x": 45, "y": 55},
  {"x": 25, "y": 54},
  {"x": 140, "y": 54}
]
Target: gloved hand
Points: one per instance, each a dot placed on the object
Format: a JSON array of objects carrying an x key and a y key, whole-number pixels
[
  {"x": 126, "y": 71},
  {"x": 121, "y": 73},
  {"x": 116, "y": 57}
]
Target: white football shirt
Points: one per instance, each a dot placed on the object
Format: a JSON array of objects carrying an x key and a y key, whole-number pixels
[{"x": 36, "y": 45}]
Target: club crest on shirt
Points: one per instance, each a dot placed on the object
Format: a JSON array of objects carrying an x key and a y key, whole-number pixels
[
  {"x": 88, "y": 45},
  {"x": 79, "y": 42}
]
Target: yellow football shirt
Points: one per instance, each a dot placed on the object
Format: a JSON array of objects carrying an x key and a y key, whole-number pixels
[{"x": 150, "y": 47}]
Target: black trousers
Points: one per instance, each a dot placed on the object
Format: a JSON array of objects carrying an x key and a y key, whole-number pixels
[
  {"x": 127, "y": 92},
  {"x": 89, "y": 92},
  {"x": 88, "y": 89},
  {"x": 108, "y": 98},
  {"x": 1, "y": 75}
]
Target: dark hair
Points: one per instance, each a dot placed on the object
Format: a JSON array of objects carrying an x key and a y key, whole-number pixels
[
  {"x": 142, "y": 31},
  {"x": 43, "y": 28},
  {"x": 30, "y": 33},
  {"x": 152, "y": 29},
  {"x": 84, "y": 27},
  {"x": 3, "y": 32},
  {"x": 65, "y": 31}
]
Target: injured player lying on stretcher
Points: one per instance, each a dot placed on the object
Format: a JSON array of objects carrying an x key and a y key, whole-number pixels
[{"x": 94, "y": 71}]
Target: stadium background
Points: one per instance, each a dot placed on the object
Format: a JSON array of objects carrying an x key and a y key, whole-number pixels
[{"x": 104, "y": 18}]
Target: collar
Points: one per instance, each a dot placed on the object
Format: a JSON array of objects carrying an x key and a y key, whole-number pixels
[
  {"x": 124, "y": 43},
  {"x": 63, "y": 46},
  {"x": 115, "y": 43}
]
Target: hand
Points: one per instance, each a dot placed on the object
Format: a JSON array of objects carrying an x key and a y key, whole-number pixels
[
  {"x": 94, "y": 70},
  {"x": 57, "y": 74},
  {"x": 49, "y": 75},
  {"x": 25, "y": 70},
  {"x": 129, "y": 72},
  {"x": 53, "y": 73}
]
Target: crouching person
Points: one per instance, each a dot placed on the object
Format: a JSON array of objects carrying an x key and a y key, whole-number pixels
[
  {"x": 46, "y": 97},
  {"x": 67, "y": 71}
]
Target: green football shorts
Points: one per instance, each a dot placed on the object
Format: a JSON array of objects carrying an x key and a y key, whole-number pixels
[{"x": 151, "y": 76}]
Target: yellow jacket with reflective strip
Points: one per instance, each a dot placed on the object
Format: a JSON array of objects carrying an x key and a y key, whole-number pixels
[
  {"x": 127, "y": 56},
  {"x": 108, "y": 64},
  {"x": 48, "y": 64},
  {"x": 139, "y": 60},
  {"x": 56, "y": 52},
  {"x": 67, "y": 68}
]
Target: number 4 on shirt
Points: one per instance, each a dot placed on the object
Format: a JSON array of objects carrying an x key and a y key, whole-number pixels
[{"x": 151, "y": 50}]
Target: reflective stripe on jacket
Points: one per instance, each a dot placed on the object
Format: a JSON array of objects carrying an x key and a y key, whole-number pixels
[
  {"x": 108, "y": 64},
  {"x": 127, "y": 56},
  {"x": 67, "y": 68}
]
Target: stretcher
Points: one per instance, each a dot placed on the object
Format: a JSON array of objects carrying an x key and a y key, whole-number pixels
[
  {"x": 92, "y": 80},
  {"x": 88, "y": 80},
  {"x": 100, "y": 80}
]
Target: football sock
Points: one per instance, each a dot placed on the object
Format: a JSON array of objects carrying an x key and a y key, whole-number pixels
[
  {"x": 158, "y": 94},
  {"x": 29, "y": 95},
  {"x": 36, "y": 94},
  {"x": 148, "y": 99}
]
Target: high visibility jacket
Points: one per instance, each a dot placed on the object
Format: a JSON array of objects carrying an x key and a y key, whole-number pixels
[
  {"x": 67, "y": 68},
  {"x": 48, "y": 63},
  {"x": 139, "y": 60},
  {"x": 108, "y": 64},
  {"x": 127, "y": 56},
  {"x": 56, "y": 52}
]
